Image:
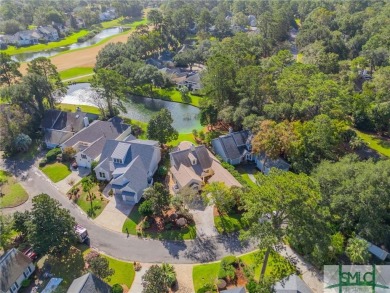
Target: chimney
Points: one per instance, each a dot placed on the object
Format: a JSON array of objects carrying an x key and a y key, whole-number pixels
[
  {"x": 86, "y": 121},
  {"x": 230, "y": 129}
]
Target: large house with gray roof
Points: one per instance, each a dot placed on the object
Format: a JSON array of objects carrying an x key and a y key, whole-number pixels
[
  {"x": 194, "y": 166},
  {"x": 89, "y": 283},
  {"x": 89, "y": 142},
  {"x": 58, "y": 126},
  {"x": 15, "y": 267},
  {"x": 292, "y": 284},
  {"x": 129, "y": 165},
  {"x": 234, "y": 147},
  {"x": 265, "y": 163}
]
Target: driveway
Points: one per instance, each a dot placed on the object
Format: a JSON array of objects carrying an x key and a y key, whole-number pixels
[
  {"x": 204, "y": 220},
  {"x": 114, "y": 214},
  {"x": 118, "y": 244}
]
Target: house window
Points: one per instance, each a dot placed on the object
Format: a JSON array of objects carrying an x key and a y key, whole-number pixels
[
  {"x": 102, "y": 175},
  {"x": 119, "y": 161},
  {"x": 83, "y": 156}
]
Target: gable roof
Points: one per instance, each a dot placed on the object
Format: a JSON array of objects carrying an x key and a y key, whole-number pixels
[
  {"x": 232, "y": 144},
  {"x": 95, "y": 135},
  {"x": 292, "y": 284},
  {"x": 278, "y": 163},
  {"x": 206, "y": 163},
  {"x": 61, "y": 120},
  {"x": 89, "y": 283},
  {"x": 12, "y": 265}
]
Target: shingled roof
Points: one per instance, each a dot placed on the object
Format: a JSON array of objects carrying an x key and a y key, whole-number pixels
[
  {"x": 12, "y": 265},
  {"x": 89, "y": 283}
]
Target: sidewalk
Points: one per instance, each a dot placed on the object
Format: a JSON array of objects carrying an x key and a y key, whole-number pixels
[{"x": 310, "y": 275}]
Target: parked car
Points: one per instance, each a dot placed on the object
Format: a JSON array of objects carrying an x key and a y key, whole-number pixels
[{"x": 28, "y": 251}]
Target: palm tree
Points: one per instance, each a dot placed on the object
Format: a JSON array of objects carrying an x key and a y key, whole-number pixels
[
  {"x": 87, "y": 184},
  {"x": 169, "y": 274}
]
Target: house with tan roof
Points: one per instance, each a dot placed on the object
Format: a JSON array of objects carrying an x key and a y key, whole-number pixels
[{"x": 194, "y": 166}]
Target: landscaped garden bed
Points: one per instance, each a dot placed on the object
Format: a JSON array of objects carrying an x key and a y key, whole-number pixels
[
  {"x": 160, "y": 227},
  {"x": 92, "y": 202},
  {"x": 228, "y": 223},
  {"x": 231, "y": 271},
  {"x": 12, "y": 193}
]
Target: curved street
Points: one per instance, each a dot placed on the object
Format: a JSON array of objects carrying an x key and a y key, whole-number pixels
[{"x": 118, "y": 245}]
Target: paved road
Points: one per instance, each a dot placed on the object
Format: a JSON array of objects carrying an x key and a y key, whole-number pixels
[{"x": 117, "y": 244}]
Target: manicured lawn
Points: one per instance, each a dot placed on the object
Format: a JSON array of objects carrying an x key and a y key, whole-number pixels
[
  {"x": 135, "y": 217},
  {"x": 73, "y": 73},
  {"x": 56, "y": 171},
  {"x": 124, "y": 271},
  {"x": 183, "y": 137},
  {"x": 299, "y": 57},
  {"x": 123, "y": 23},
  {"x": 277, "y": 265},
  {"x": 244, "y": 173},
  {"x": 14, "y": 193},
  {"x": 42, "y": 47},
  {"x": 172, "y": 94},
  {"x": 84, "y": 108},
  {"x": 230, "y": 223},
  {"x": 379, "y": 144},
  {"x": 99, "y": 202}
]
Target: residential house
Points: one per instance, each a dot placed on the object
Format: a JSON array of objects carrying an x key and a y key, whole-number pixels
[
  {"x": 264, "y": 163},
  {"x": 129, "y": 165},
  {"x": 194, "y": 166},
  {"x": 252, "y": 20},
  {"x": 25, "y": 38},
  {"x": 59, "y": 126},
  {"x": 234, "y": 147},
  {"x": 191, "y": 81},
  {"x": 89, "y": 283},
  {"x": 292, "y": 284},
  {"x": 109, "y": 14},
  {"x": 48, "y": 33},
  {"x": 15, "y": 267},
  {"x": 89, "y": 142}
]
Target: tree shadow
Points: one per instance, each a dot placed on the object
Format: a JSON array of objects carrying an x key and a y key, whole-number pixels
[
  {"x": 202, "y": 250},
  {"x": 174, "y": 247}
]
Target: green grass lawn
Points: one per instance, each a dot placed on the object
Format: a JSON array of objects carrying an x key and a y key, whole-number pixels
[
  {"x": 99, "y": 202},
  {"x": 244, "y": 174},
  {"x": 73, "y": 73},
  {"x": 183, "y": 137},
  {"x": 123, "y": 22},
  {"x": 379, "y": 144},
  {"x": 56, "y": 171},
  {"x": 135, "y": 217},
  {"x": 84, "y": 108},
  {"x": 13, "y": 193},
  {"x": 172, "y": 94},
  {"x": 299, "y": 57},
  {"x": 42, "y": 47},
  {"x": 277, "y": 265},
  {"x": 230, "y": 223},
  {"x": 124, "y": 271}
]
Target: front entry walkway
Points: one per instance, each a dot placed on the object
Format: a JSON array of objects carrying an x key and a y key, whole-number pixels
[{"x": 115, "y": 213}]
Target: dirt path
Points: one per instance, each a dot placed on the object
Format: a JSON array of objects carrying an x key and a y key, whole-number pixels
[{"x": 80, "y": 58}]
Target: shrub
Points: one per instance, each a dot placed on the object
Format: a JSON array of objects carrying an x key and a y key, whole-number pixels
[
  {"x": 26, "y": 283},
  {"x": 162, "y": 171},
  {"x": 51, "y": 155},
  {"x": 68, "y": 154},
  {"x": 91, "y": 255},
  {"x": 146, "y": 208},
  {"x": 206, "y": 288},
  {"x": 117, "y": 288},
  {"x": 145, "y": 225},
  {"x": 201, "y": 135},
  {"x": 42, "y": 162},
  {"x": 229, "y": 260},
  {"x": 227, "y": 270}
]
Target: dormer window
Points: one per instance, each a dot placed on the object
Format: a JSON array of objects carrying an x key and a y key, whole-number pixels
[
  {"x": 118, "y": 161},
  {"x": 193, "y": 159}
]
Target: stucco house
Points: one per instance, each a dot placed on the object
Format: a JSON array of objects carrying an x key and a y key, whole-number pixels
[
  {"x": 234, "y": 147},
  {"x": 264, "y": 163},
  {"x": 129, "y": 165},
  {"x": 15, "y": 267},
  {"x": 194, "y": 166},
  {"x": 89, "y": 142},
  {"x": 58, "y": 126}
]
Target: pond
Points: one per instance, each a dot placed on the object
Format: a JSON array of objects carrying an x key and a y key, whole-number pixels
[
  {"x": 25, "y": 57},
  {"x": 185, "y": 117}
]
